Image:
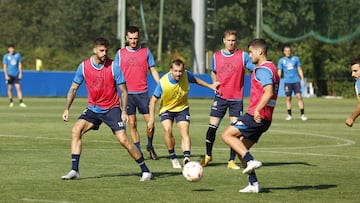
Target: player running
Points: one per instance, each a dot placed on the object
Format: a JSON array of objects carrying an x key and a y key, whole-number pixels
[
  {"x": 244, "y": 132},
  {"x": 101, "y": 79},
  {"x": 173, "y": 90}
]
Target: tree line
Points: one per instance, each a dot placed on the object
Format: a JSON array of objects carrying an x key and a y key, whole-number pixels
[{"x": 61, "y": 32}]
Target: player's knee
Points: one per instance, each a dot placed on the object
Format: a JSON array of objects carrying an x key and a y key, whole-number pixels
[
  {"x": 225, "y": 137},
  {"x": 76, "y": 132},
  {"x": 122, "y": 138},
  {"x": 132, "y": 123},
  {"x": 167, "y": 130}
]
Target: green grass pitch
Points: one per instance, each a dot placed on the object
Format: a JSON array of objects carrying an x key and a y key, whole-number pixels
[{"x": 303, "y": 161}]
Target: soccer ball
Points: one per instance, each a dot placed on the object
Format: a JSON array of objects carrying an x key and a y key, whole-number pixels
[{"x": 193, "y": 171}]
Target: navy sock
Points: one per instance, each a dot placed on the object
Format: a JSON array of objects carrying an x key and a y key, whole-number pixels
[
  {"x": 149, "y": 141},
  {"x": 75, "y": 158},
  {"x": 232, "y": 154},
  {"x": 172, "y": 154},
  {"x": 186, "y": 154},
  {"x": 248, "y": 157},
  {"x": 11, "y": 100},
  {"x": 142, "y": 165},
  {"x": 289, "y": 112},
  {"x": 252, "y": 178},
  {"x": 150, "y": 136},
  {"x": 137, "y": 144},
  {"x": 302, "y": 111}
]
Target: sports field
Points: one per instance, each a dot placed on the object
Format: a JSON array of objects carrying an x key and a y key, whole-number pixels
[{"x": 304, "y": 161}]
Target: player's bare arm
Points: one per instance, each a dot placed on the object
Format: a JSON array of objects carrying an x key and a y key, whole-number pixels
[
  {"x": 268, "y": 93},
  {"x": 5, "y": 72},
  {"x": 69, "y": 100},
  {"x": 205, "y": 84},
  {"x": 20, "y": 70},
  {"x": 213, "y": 77},
  {"x": 152, "y": 103},
  {"x": 155, "y": 74},
  {"x": 301, "y": 75},
  {"x": 124, "y": 102},
  {"x": 350, "y": 121}
]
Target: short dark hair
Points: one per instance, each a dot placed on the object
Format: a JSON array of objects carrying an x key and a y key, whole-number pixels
[
  {"x": 177, "y": 62},
  {"x": 259, "y": 43},
  {"x": 101, "y": 41},
  {"x": 355, "y": 61},
  {"x": 132, "y": 29},
  {"x": 286, "y": 46},
  {"x": 11, "y": 45}
]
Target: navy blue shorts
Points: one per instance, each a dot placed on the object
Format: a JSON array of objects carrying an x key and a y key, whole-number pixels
[
  {"x": 249, "y": 128},
  {"x": 111, "y": 118},
  {"x": 13, "y": 80},
  {"x": 183, "y": 115},
  {"x": 139, "y": 101},
  {"x": 220, "y": 105},
  {"x": 292, "y": 87}
]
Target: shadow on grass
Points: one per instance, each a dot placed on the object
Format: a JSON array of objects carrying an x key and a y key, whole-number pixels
[
  {"x": 155, "y": 175},
  {"x": 203, "y": 190},
  {"x": 286, "y": 163},
  {"x": 265, "y": 164},
  {"x": 299, "y": 188},
  {"x": 194, "y": 157}
]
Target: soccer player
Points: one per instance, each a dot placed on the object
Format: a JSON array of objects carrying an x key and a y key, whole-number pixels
[
  {"x": 135, "y": 62},
  {"x": 228, "y": 70},
  {"x": 13, "y": 74},
  {"x": 355, "y": 73},
  {"x": 173, "y": 90},
  {"x": 244, "y": 132},
  {"x": 293, "y": 74},
  {"x": 101, "y": 78}
]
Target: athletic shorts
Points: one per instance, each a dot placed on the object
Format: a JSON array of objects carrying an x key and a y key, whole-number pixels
[
  {"x": 249, "y": 128},
  {"x": 220, "y": 105},
  {"x": 183, "y": 115},
  {"x": 292, "y": 87},
  {"x": 13, "y": 80},
  {"x": 139, "y": 101},
  {"x": 111, "y": 118}
]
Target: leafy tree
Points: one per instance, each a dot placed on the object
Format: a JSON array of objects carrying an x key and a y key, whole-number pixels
[{"x": 61, "y": 32}]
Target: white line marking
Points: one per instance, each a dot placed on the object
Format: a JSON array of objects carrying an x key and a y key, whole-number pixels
[
  {"x": 345, "y": 142},
  {"x": 342, "y": 143},
  {"x": 43, "y": 200}
]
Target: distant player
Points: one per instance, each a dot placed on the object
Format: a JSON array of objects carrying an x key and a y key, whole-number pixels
[
  {"x": 355, "y": 73},
  {"x": 101, "y": 79},
  {"x": 13, "y": 74},
  {"x": 244, "y": 132},
  {"x": 135, "y": 62},
  {"x": 173, "y": 91},
  {"x": 293, "y": 75},
  {"x": 227, "y": 70}
]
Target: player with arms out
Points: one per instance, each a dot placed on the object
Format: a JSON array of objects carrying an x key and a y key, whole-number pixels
[
  {"x": 173, "y": 90},
  {"x": 101, "y": 79},
  {"x": 135, "y": 62},
  {"x": 244, "y": 132},
  {"x": 227, "y": 70},
  {"x": 355, "y": 73}
]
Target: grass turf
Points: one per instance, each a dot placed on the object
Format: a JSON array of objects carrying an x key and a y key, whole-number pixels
[{"x": 303, "y": 161}]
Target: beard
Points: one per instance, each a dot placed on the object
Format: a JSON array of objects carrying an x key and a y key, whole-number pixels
[{"x": 102, "y": 59}]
